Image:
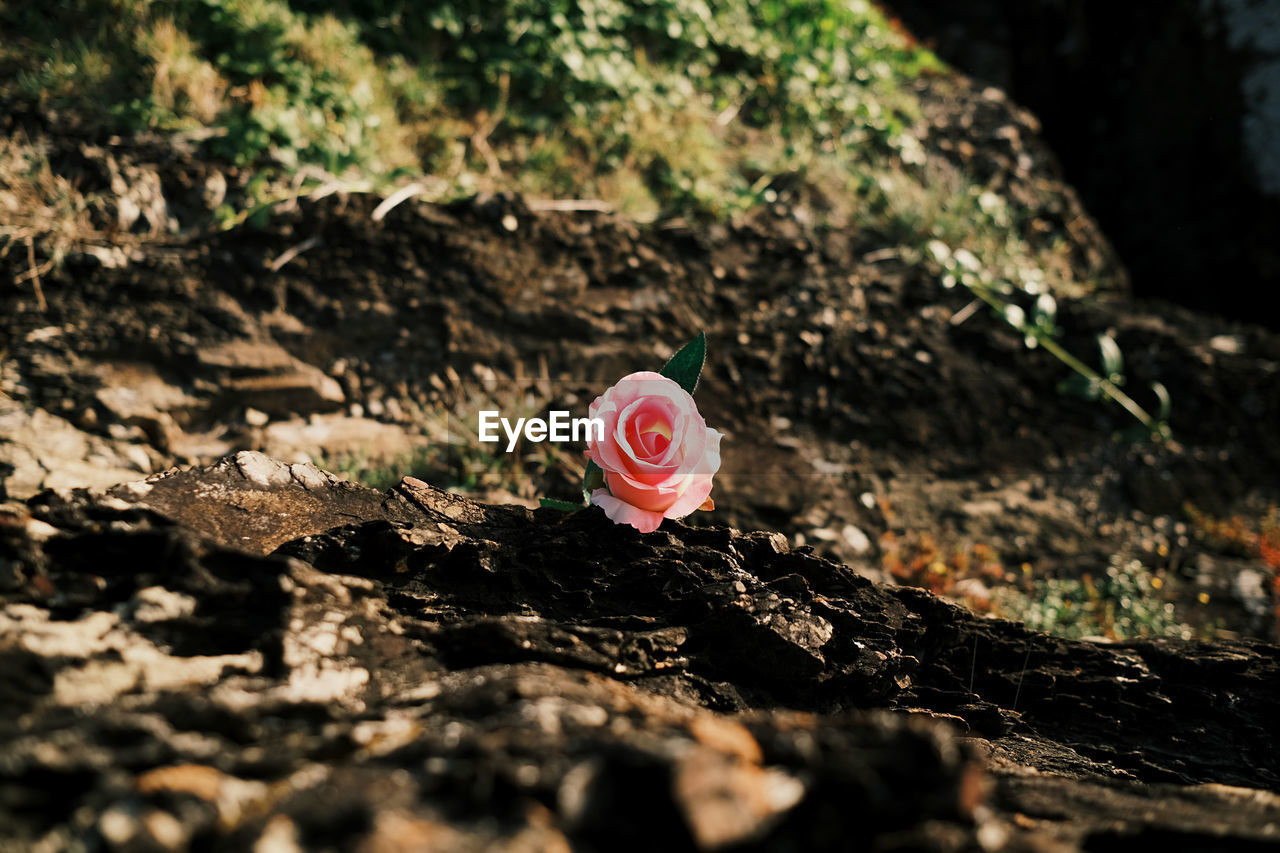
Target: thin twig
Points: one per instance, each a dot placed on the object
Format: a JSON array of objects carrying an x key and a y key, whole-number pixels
[
  {"x": 4, "y": 354},
  {"x": 390, "y": 202},
  {"x": 544, "y": 376},
  {"x": 34, "y": 274},
  {"x": 728, "y": 115},
  {"x": 1018, "y": 692},
  {"x": 973, "y": 667},
  {"x": 480, "y": 139},
  {"x": 966, "y": 312},
  {"x": 336, "y": 185},
  {"x": 879, "y": 255},
  {"x": 569, "y": 205},
  {"x": 293, "y": 252}
]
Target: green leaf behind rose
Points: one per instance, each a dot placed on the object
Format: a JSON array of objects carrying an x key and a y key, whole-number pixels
[
  {"x": 592, "y": 480},
  {"x": 686, "y": 366}
]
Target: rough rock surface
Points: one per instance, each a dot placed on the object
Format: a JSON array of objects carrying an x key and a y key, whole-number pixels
[
  {"x": 871, "y": 412},
  {"x": 39, "y": 450},
  {"x": 255, "y": 655}
]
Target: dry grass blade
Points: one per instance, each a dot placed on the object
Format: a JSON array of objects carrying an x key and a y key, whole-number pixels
[
  {"x": 293, "y": 252},
  {"x": 569, "y": 205},
  {"x": 390, "y": 202},
  {"x": 34, "y": 274}
]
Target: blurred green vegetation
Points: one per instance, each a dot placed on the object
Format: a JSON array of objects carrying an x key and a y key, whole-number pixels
[
  {"x": 1129, "y": 601},
  {"x": 674, "y": 107},
  {"x": 658, "y": 109}
]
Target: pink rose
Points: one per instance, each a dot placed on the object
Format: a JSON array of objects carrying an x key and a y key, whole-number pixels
[{"x": 658, "y": 454}]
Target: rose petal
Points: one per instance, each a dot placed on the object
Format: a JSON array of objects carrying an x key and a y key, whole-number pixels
[
  {"x": 654, "y": 423},
  {"x": 654, "y": 443},
  {"x": 641, "y": 442},
  {"x": 650, "y": 430},
  {"x": 621, "y": 428},
  {"x": 679, "y": 447},
  {"x": 661, "y": 479},
  {"x": 621, "y": 512},
  {"x": 606, "y": 453},
  {"x": 633, "y": 386},
  {"x": 694, "y": 496},
  {"x": 710, "y": 461},
  {"x": 641, "y": 495},
  {"x": 706, "y": 465}
]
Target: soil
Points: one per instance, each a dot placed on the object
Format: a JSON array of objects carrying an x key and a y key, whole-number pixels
[
  {"x": 868, "y": 411},
  {"x": 257, "y": 655}
]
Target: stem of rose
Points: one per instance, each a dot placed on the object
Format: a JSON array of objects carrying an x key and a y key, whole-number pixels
[{"x": 1054, "y": 348}]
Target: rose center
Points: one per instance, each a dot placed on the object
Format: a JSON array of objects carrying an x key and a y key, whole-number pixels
[
  {"x": 654, "y": 435},
  {"x": 655, "y": 443}
]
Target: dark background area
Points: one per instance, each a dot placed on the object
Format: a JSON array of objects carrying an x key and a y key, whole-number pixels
[{"x": 1144, "y": 103}]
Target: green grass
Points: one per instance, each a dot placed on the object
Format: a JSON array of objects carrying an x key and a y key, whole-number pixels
[
  {"x": 667, "y": 108},
  {"x": 1129, "y": 601}
]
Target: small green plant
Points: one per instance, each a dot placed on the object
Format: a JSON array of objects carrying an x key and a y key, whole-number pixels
[
  {"x": 381, "y": 474},
  {"x": 1126, "y": 602},
  {"x": 1039, "y": 329},
  {"x": 42, "y": 209}
]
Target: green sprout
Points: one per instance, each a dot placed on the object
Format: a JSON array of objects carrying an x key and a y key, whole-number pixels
[{"x": 1041, "y": 330}]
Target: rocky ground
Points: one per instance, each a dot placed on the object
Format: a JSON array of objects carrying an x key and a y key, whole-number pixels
[
  {"x": 869, "y": 411},
  {"x": 256, "y": 655}
]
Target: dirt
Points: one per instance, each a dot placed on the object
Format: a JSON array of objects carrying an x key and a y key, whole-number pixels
[
  {"x": 255, "y": 654},
  {"x": 868, "y": 411}
]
